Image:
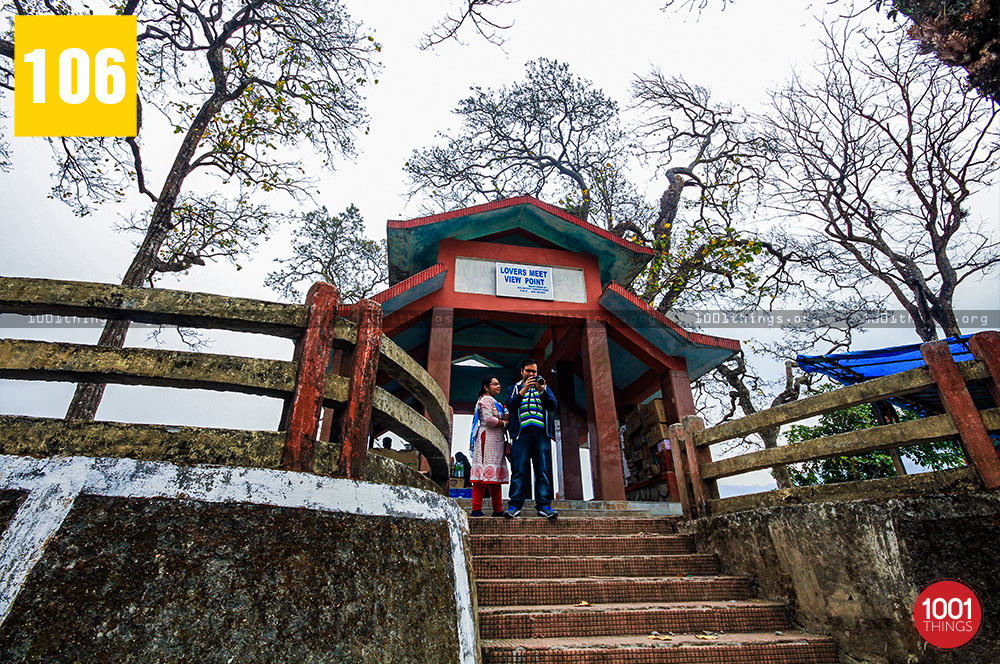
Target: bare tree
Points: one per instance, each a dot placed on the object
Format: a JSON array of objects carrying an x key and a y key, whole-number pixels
[
  {"x": 552, "y": 132},
  {"x": 471, "y": 12},
  {"x": 707, "y": 253},
  {"x": 738, "y": 388},
  {"x": 333, "y": 248},
  {"x": 709, "y": 148},
  {"x": 238, "y": 81},
  {"x": 742, "y": 382},
  {"x": 880, "y": 159},
  {"x": 960, "y": 34}
]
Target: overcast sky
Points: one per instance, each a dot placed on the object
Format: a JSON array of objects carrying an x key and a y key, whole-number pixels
[{"x": 739, "y": 53}]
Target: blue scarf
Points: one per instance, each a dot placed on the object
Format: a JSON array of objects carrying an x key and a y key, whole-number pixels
[{"x": 475, "y": 424}]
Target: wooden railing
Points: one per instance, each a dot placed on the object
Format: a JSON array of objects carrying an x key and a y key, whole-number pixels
[
  {"x": 698, "y": 474},
  {"x": 305, "y": 382}
]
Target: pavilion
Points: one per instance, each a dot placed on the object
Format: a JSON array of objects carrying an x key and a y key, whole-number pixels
[{"x": 519, "y": 278}]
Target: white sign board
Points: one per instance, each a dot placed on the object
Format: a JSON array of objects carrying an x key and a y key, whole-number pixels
[{"x": 529, "y": 281}]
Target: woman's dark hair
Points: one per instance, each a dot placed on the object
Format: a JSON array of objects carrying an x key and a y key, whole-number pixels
[{"x": 486, "y": 383}]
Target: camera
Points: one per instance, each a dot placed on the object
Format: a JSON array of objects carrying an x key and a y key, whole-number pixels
[{"x": 540, "y": 382}]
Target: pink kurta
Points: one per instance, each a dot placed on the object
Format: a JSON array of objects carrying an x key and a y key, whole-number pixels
[{"x": 488, "y": 463}]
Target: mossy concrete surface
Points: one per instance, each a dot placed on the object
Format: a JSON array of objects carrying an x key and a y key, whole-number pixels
[
  {"x": 9, "y": 502},
  {"x": 44, "y": 437},
  {"x": 139, "y": 580},
  {"x": 41, "y": 360},
  {"x": 150, "y": 305},
  {"x": 854, "y": 569},
  {"x": 119, "y": 560}
]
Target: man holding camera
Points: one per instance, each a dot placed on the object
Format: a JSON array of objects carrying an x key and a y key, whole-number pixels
[{"x": 531, "y": 404}]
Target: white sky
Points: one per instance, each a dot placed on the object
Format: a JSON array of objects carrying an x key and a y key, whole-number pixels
[{"x": 739, "y": 53}]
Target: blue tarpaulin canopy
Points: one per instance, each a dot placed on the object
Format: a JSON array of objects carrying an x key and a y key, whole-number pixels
[{"x": 857, "y": 367}]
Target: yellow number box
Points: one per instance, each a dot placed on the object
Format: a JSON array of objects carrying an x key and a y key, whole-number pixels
[{"x": 75, "y": 76}]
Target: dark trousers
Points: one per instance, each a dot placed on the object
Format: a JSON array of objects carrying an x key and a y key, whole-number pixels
[{"x": 531, "y": 449}]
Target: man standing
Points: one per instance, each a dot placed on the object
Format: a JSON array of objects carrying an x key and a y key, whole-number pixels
[{"x": 531, "y": 404}]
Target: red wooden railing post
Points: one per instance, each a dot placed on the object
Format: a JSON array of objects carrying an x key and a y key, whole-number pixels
[
  {"x": 703, "y": 491},
  {"x": 985, "y": 347},
  {"x": 356, "y": 421},
  {"x": 678, "y": 449},
  {"x": 312, "y": 353},
  {"x": 962, "y": 410}
]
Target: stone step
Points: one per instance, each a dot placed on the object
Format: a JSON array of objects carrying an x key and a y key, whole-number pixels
[
  {"x": 560, "y": 567},
  {"x": 729, "y": 648},
  {"x": 530, "y": 513},
  {"x": 519, "y": 592},
  {"x": 535, "y": 622},
  {"x": 572, "y": 526},
  {"x": 578, "y": 545},
  {"x": 599, "y": 506}
]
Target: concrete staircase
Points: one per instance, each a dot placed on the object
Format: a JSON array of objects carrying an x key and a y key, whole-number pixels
[
  {"x": 591, "y": 589},
  {"x": 589, "y": 508}
]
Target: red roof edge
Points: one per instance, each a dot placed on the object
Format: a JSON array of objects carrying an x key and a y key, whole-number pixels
[
  {"x": 400, "y": 288},
  {"x": 522, "y": 200},
  {"x": 693, "y": 337}
]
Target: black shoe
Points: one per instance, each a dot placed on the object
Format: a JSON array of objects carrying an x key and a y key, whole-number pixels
[
  {"x": 500, "y": 513},
  {"x": 512, "y": 512},
  {"x": 477, "y": 513}
]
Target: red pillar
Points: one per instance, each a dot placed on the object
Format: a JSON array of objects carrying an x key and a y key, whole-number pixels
[
  {"x": 439, "y": 347},
  {"x": 572, "y": 488},
  {"x": 439, "y": 354},
  {"x": 605, "y": 449},
  {"x": 678, "y": 402}
]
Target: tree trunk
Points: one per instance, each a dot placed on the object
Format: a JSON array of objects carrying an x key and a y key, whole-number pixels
[
  {"x": 87, "y": 397},
  {"x": 741, "y": 395},
  {"x": 780, "y": 473}
]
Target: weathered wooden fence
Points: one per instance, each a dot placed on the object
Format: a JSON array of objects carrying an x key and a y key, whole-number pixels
[
  {"x": 697, "y": 473},
  {"x": 305, "y": 383}
]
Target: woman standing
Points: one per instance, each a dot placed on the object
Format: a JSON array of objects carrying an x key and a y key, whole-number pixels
[{"x": 489, "y": 468}]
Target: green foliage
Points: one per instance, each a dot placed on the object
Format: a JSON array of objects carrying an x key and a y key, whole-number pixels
[
  {"x": 697, "y": 260},
  {"x": 333, "y": 248},
  {"x": 701, "y": 250},
  {"x": 936, "y": 456}
]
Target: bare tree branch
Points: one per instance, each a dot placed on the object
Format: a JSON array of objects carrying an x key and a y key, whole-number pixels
[
  {"x": 335, "y": 249},
  {"x": 880, "y": 159},
  {"x": 472, "y": 12},
  {"x": 552, "y": 132}
]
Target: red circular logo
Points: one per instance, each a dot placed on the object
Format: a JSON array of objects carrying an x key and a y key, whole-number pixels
[{"x": 947, "y": 614}]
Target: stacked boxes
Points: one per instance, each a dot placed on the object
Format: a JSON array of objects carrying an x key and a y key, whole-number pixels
[{"x": 647, "y": 446}]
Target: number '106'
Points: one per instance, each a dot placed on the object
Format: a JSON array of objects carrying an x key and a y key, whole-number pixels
[{"x": 109, "y": 79}]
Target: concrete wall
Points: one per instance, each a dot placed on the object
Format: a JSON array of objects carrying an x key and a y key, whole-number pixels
[
  {"x": 120, "y": 560},
  {"x": 854, "y": 569}
]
